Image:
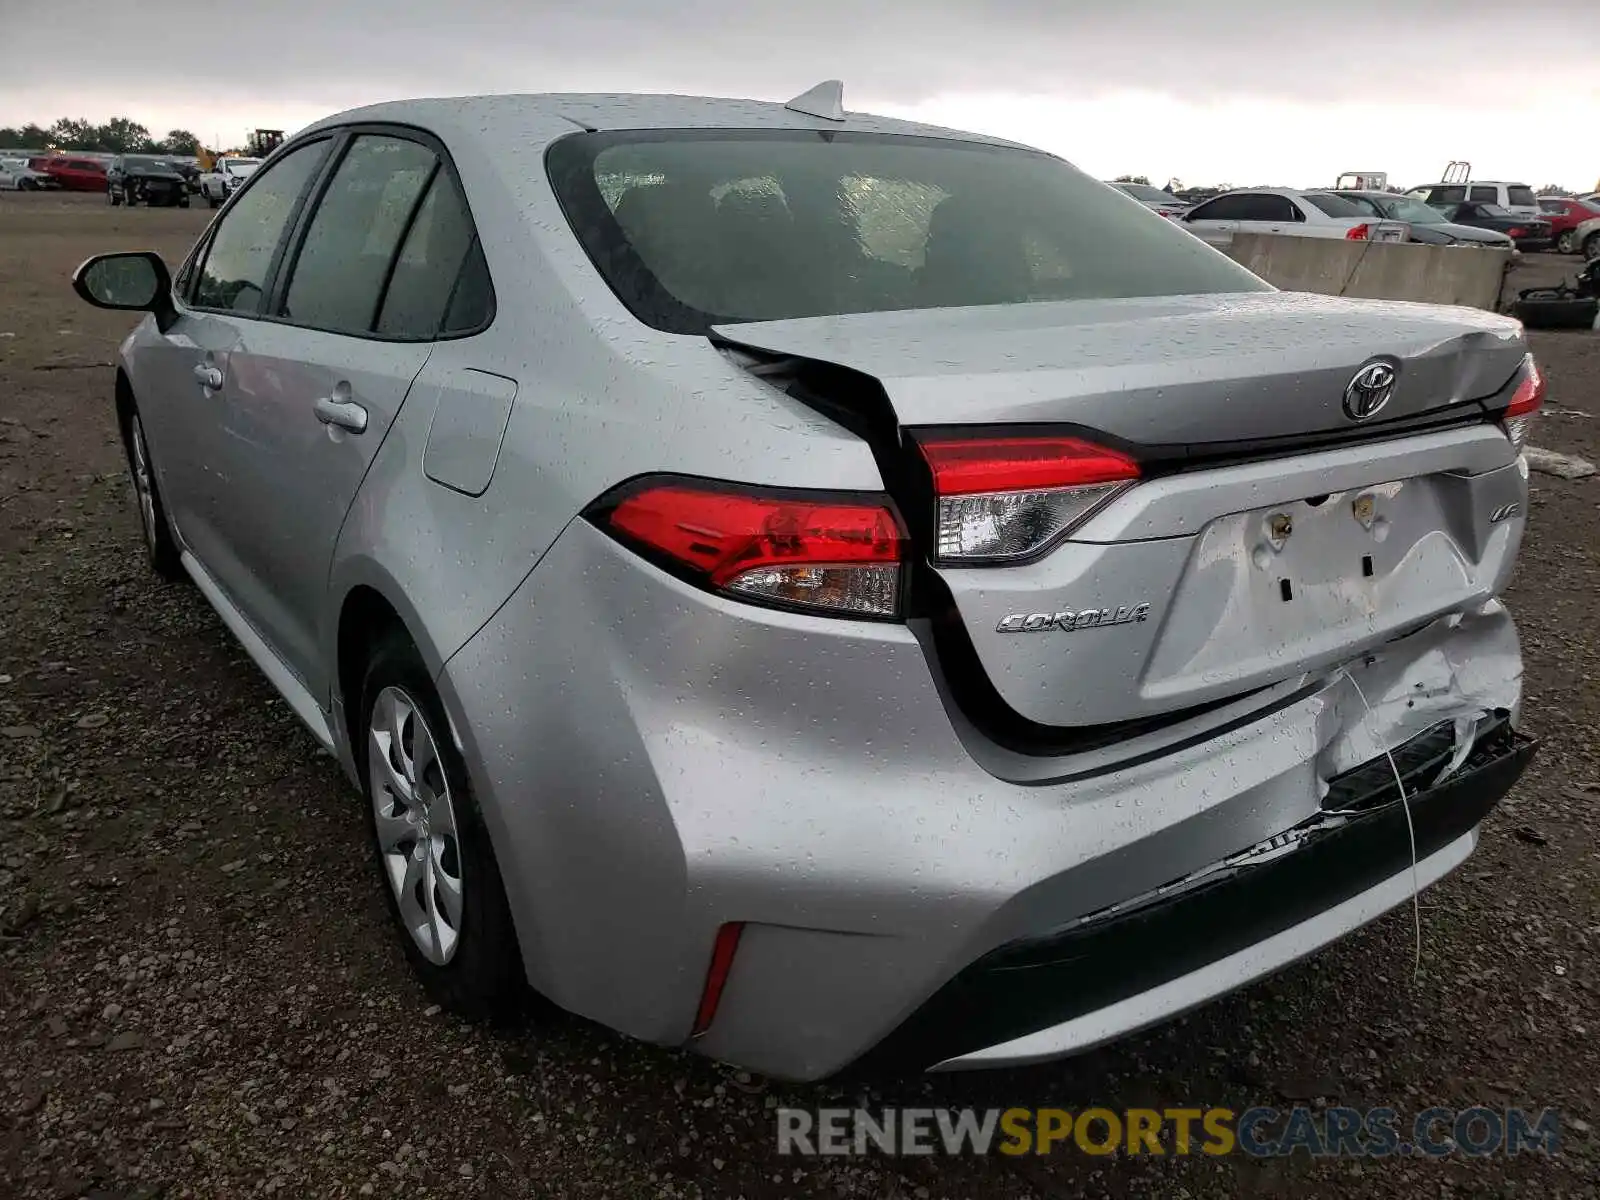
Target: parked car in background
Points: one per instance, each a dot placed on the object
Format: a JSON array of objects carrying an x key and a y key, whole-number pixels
[
  {"x": 1566, "y": 214},
  {"x": 147, "y": 178},
  {"x": 941, "y": 622},
  {"x": 72, "y": 173},
  {"x": 1529, "y": 233},
  {"x": 17, "y": 176},
  {"x": 1515, "y": 198},
  {"x": 1428, "y": 225},
  {"x": 217, "y": 184},
  {"x": 1362, "y": 181},
  {"x": 189, "y": 168},
  {"x": 1153, "y": 198},
  {"x": 1285, "y": 211},
  {"x": 1586, "y": 238}
]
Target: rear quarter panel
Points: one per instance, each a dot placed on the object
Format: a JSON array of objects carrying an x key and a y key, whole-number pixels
[{"x": 600, "y": 398}]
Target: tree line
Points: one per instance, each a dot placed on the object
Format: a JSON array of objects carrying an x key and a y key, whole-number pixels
[{"x": 119, "y": 135}]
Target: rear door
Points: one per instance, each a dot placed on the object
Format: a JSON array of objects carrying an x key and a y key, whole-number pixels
[
  {"x": 1267, "y": 212},
  {"x": 1217, "y": 220},
  {"x": 312, "y": 393}
]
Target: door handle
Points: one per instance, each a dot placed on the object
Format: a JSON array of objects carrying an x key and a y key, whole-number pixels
[
  {"x": 208, "y": 376},
  {"x": 346, "y": 414}
]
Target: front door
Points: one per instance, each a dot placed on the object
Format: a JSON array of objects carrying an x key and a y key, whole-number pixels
[{"x": 186, "y": 402}]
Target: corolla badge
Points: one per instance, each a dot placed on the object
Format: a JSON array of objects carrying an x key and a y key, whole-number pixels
[
  {"x": 1367, "y": 393},
  {"x": 1069, "y": 621}
]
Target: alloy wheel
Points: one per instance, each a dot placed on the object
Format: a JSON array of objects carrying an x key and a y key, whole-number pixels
[
  {"x": 143, "y": 487},
  {"x": 415, "y": 824}
]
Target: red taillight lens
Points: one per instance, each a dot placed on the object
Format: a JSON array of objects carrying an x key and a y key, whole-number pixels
[
  {"x": 1525, "y": 404},
  {"x": 1357, "y": 233},
  {"x": 838, "y": 555},
  {"x": 1004, "y": 499}
]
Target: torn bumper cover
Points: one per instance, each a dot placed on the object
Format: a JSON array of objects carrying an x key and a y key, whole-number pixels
[{"x": 1143, "y": 961}]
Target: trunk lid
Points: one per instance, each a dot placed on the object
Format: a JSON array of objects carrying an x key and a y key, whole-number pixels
[
  {"x": 1159, "y": 371},
  {"x": 1290, "y": 549}
]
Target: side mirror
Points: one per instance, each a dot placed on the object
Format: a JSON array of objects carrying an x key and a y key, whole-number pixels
[{"x": 136, "y": 281}]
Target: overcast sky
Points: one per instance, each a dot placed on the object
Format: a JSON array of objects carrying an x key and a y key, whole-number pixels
[{"x": 1240, "y": 91}]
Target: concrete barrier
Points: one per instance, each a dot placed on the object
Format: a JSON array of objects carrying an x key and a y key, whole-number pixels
[{"x": 1374, "y": 270}]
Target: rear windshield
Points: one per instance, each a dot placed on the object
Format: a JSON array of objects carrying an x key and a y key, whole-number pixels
[
  {"x": 1337, "y": 206},
  {"x": 1521, "y": 195},
  {"x": 693, "y": 228}
]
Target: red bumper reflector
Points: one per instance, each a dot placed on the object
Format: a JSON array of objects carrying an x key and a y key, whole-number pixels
[{"x": 722, "y": 952}]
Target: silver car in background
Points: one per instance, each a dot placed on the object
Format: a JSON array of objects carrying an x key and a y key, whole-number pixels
[{"x": 813, "y": 587}]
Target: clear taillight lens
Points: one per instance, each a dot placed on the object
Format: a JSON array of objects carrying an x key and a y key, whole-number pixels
[
  {"x": 1525, "y": 404},
  {"x": 1008, "y": 499},
  {"x": 824, "y": 554}
]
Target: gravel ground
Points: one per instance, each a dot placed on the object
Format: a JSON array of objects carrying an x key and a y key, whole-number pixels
[{"x": 200, "y": 996}]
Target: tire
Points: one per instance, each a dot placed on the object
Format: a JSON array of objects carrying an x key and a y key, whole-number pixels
[
  {"x": 1591, "y": 246},
  {"x": 27, "y": 185},
  {"x": 213, "y": 201},
  {"x": 478, "y": 975},
  {"x": 161, "y": 548},
  {"x": 1567, "y": 242},
  {"x": 183, "y": 202},
  {"x": 112, "y": 198}
]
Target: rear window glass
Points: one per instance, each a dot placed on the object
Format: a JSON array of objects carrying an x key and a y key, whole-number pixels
[
  {"x": 693, "y": 228},
  {"x": 1336, "y": 206},
  {"x": 1520, "y": 195},
  {"x": 1143, "y": 191}
]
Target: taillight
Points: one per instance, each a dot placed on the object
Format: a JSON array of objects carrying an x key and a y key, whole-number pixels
[
  {"x": 1517, "y": 232},
  {"x": 1005, "y": 499},
  {"x": 1525, "y": 404},
  {"x": 786, "y": 549},
  {"x": 1357, "y": 233}
]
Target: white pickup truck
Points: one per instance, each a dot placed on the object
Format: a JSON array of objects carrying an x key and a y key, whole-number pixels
[{"x": 217, "y": 184}]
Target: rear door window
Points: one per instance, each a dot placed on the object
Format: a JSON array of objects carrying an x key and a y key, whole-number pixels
[
  {"x": 1447, "y": 195},
  {"x": 1521, "y": 195},
  {"x": 237, "y": 263},
  {"x": 1484, "y": 194},
  {"x": 344, "y": 261},
  {"x": 439, "y": 254},
  {"x": 1259, "y": 206},
  {"x": 1223, "y": 208}
]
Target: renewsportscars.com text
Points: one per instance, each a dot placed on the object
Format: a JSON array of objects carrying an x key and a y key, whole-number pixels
[{"x": 1260, "y": 1132}]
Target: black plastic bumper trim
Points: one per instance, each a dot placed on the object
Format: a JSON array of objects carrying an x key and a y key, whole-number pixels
[{"x": 1034, "y": 983}]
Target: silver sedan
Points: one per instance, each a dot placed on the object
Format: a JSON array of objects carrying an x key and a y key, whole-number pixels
[{"x": 804, "y": 585}]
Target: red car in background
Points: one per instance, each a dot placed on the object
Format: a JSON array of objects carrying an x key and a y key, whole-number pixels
[
  {"x": 72, "y": 174},
  {"x": 1565, "y": 214}
]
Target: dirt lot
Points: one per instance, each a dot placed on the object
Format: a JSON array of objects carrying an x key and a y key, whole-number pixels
[{"x": 199, "y": 995}]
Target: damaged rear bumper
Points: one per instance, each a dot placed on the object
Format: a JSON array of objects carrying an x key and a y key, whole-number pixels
[{"x": 1111, "y": 973}]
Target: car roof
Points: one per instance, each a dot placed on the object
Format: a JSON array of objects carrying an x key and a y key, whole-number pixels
[{"x": 494, "y": 119}]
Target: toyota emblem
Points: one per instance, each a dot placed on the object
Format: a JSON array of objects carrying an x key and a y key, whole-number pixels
[{"x": 1369, "y": 391}]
